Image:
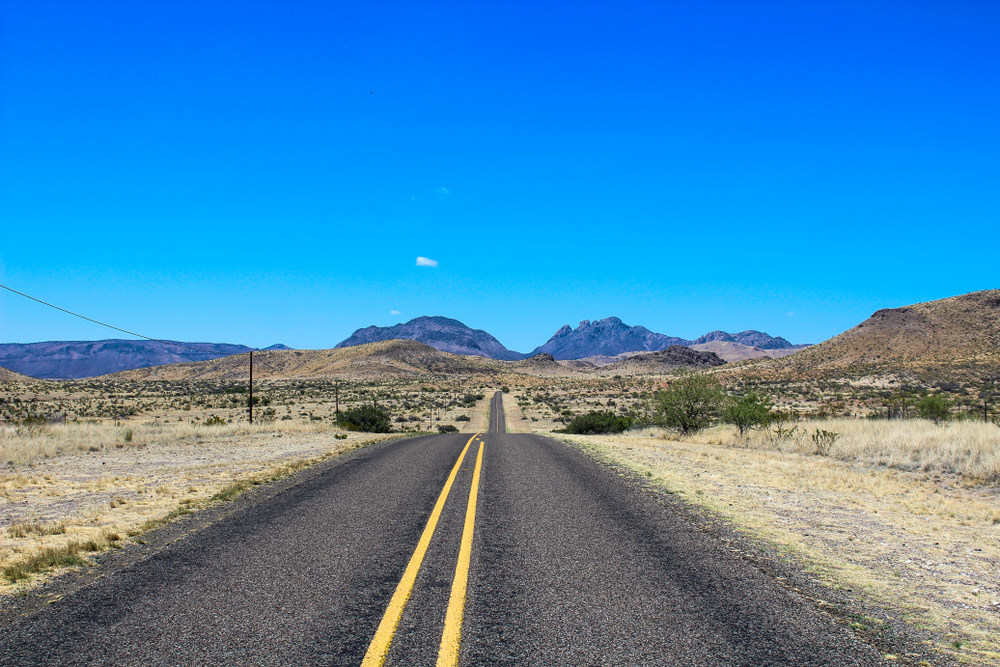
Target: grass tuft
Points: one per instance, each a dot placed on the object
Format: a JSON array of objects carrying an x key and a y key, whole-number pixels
[{"x": 50, "y": 558}]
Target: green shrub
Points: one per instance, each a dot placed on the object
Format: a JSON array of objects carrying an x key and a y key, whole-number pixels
[
  {"x": 447, "y": 428},
  {"x": 470, "y": 400},
  {"x": 367, "y": 418},
  {"x": 747, "y": 412},
  {"x": 215, "y": 420},
  {"x": 463, "y": 418},
  {"x": 598, "y": 422},
  {"x": 934, "y": 407},
  {"x": 690, "y": 404}
]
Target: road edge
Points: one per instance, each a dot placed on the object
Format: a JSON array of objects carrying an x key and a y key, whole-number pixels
[
  {"x": 172, "y": 529},
  {"x": 906, "y": 644}
]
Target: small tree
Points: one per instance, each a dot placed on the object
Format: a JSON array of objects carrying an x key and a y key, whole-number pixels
[
  {"x": 934, "y": 407},
  {"x": 747, "y": 412},
  {"x": 689, "y": 404}
]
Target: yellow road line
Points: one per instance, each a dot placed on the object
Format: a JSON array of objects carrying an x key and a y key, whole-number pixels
[
  {"x": 451, "y": 638},
  {"x": 379, "y": 647}
]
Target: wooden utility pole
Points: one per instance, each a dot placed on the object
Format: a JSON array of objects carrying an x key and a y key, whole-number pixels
[
  {"x": 336, "y": 397},
  {"x": 250, "y": 408}
]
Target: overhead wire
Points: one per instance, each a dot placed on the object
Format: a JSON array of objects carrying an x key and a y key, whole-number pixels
[{"x": 105, "y": 324}]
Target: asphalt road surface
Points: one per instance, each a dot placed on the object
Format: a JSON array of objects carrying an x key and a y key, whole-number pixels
[{"x": 378, "y": 560}]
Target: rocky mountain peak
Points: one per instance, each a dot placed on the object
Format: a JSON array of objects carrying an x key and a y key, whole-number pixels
[{"x": 441, "y": 333}]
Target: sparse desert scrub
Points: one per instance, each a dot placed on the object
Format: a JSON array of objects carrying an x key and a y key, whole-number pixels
[
  {"x": 19, "y": 446},
  {"x": 70, "y": 496},
  {"x": 923, "y": 546},
  {"x": 969, "y": 449}
]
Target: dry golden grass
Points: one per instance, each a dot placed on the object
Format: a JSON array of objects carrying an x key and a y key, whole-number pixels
[
  {"x": 25, "y": 446},
  {"x": 969, "y": 449},
  {"x": 76, "y": 488},
  {"x": 923, "y": 545}
]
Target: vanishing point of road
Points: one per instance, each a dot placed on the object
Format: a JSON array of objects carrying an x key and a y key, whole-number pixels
[{"x": 485, "y": 549}]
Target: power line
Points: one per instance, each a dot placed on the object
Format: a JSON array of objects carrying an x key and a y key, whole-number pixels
[{"x": 104, "y": 324}]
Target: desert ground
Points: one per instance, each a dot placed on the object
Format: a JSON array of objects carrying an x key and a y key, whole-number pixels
[{"x": 903, "y": 514}]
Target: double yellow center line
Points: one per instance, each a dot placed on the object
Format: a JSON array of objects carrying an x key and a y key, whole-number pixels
[{"x": 378, "y": 650}]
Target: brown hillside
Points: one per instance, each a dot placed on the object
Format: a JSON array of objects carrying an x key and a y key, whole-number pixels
[
  {"x": 543, "y": 364},
  {"x": 7, "y": 375},
  {"x": 957, "y": 336},
  {"x": 393, "y": 359},
  {"x": 664, "y": 361}
]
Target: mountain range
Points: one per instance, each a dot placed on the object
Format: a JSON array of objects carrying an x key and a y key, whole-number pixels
[
  {"x": 600, "y": 342},
  {"x": 66, "y": 360},
  {"x": 599, "y": 338},
  {"x": 957, "y": 336},
  {"x": 611, "y": 337}
]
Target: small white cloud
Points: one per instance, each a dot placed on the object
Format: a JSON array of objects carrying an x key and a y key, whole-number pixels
[
  {"x": 394, "y": 312},
  {"x": 423, "y": 261},
  {"x": 791, "y": 314},
  {"x": 443, "y": 191}
]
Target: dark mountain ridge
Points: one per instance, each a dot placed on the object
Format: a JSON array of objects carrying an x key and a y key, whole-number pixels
[
  {"x": 611, "y": 336},
  {"x": 605, "y": 338},
  {"x": 66, "y": 360},
  {"x": 441, "y": 333}
]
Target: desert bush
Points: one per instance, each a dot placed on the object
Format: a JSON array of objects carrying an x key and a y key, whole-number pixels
[
  {"x": 747, "y": 412},
  {"x": 215, "y": 420},
  {"x": 366, "y": 418},
  {"x": 598, "y": 422},
  {"x": 823, "y": 440},
  {"x": 470, "y": 400},
  {"x": 934, "y": 407},
  {"x": 447, "y": 428},
  {"x": 463, "y": 418}
]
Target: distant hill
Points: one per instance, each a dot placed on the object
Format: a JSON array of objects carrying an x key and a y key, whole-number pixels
[
  {"x": 737, "y": 352},
  {"x": 602, "y": 341},
  {"x": 394, "y": 359},
  {"x": 7, "y": 375},
  {"x": 749, "y": 338},
  {"x": 404, "y": 360},
  {"x": 664, "y": 361},
  {"x": 542, "y": 365},
  {"x": 607, "y": 337},
  {"x": 441, "y": 333},
  {"x": 81, "y": 359},
  {"x": 957, "y": 336}
]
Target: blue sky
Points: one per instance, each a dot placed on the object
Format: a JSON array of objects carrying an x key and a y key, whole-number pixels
[{"x": 262, "y": 172}]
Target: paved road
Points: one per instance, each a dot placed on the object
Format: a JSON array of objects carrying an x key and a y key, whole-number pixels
[
  {"x": 567, "y": 565},
  {"x": 498, "y": 421}
]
